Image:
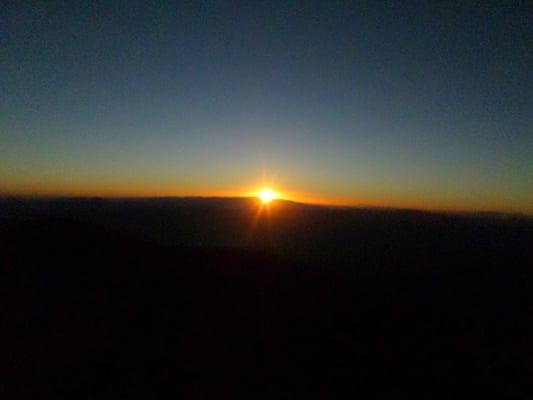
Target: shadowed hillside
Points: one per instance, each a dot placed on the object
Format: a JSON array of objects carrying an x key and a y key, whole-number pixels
[{"x": 207, "y": 298}]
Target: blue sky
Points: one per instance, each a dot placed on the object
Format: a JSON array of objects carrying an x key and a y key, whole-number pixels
[{"x": 381, "y": 103}]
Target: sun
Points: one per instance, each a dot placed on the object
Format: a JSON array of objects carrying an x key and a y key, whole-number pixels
[{"x": 266, "y": 195}]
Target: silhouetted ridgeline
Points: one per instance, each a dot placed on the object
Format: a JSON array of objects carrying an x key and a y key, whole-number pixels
[
  {"x": 206, "y": 298},
  {"x": 297, "y": 231}
]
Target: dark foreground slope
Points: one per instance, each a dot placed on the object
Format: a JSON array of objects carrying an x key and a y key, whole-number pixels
[{"x": 207, "y": 299}]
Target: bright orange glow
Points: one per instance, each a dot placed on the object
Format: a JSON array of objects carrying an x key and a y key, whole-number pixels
[
  {"x": 267, "y": 195},
  {"x": 128, "y": 188}
]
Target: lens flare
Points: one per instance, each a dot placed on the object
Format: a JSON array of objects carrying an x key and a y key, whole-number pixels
[{"x": 266, "y": 195}]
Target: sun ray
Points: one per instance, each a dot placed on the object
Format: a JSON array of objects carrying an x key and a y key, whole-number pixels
[{"x": 266, "y": 195}]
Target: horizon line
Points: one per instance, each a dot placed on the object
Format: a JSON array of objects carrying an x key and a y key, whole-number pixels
[{"x": 4, "y": 196}]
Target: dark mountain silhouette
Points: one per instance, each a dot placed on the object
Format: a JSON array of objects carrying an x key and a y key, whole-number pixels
[{"x": 208, "y": 298}]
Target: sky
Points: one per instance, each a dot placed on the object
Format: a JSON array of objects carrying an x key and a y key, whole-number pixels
[{"x": 359, "y": 103}]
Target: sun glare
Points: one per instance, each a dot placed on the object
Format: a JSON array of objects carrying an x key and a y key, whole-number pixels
[{"x": 266, "y": 195}]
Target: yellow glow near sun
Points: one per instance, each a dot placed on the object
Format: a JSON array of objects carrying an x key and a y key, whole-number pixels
[{"x": 266, "y": 195}]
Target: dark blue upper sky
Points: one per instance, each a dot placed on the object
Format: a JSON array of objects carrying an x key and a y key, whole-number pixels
[{"x": 379, "y": 102}]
